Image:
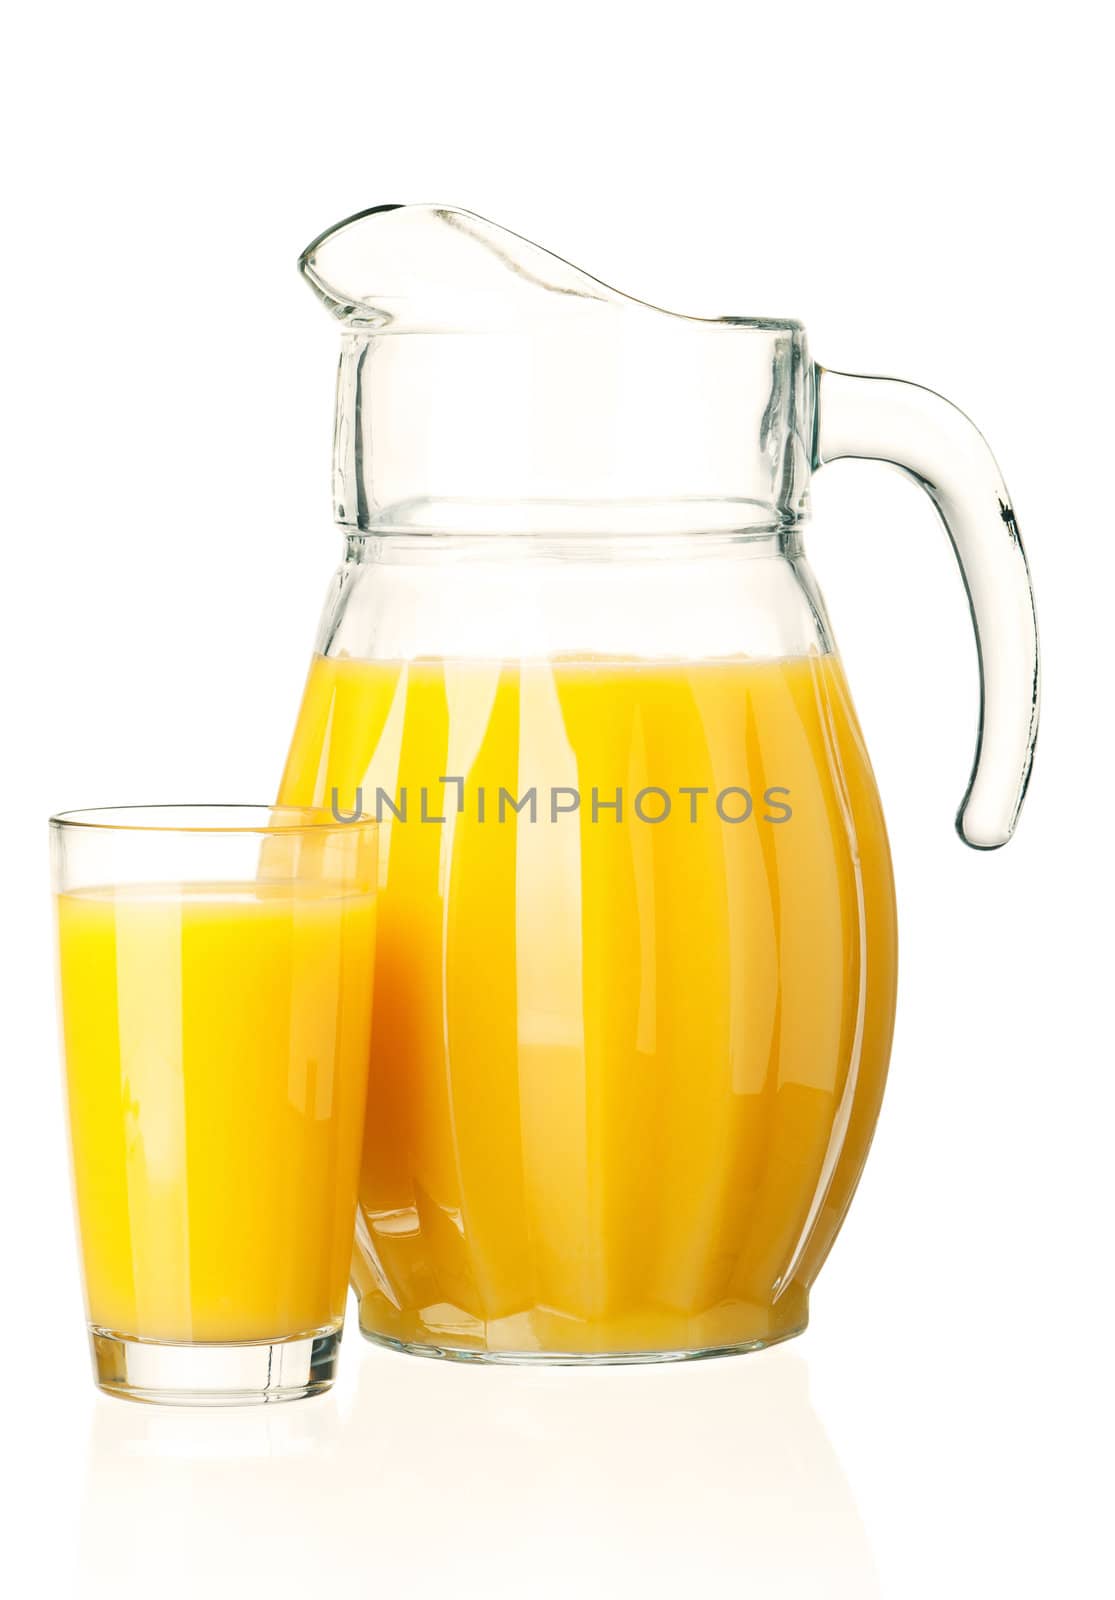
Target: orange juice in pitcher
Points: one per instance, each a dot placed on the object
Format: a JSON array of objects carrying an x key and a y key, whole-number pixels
[{"x": 636, "y": 949}]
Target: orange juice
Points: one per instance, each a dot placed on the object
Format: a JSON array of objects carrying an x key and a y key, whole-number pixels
[
  {"x": 216, "y": 1042},
  {"x": 630, "y": 1038}
]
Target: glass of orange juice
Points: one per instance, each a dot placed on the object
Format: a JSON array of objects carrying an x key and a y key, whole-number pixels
[{"x": 216, "y": 996}]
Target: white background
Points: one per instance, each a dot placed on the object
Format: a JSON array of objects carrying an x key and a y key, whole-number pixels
[{"x": 927, "y": 187}]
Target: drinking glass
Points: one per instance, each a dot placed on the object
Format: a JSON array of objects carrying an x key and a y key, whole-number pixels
[{"x": 216, "y": 995}]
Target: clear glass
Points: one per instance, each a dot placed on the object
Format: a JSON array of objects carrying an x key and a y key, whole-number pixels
[
  {"x": 215, "y": 985},
  {"x": 488, "y": 387},
  {"x": 635, "y": 980}
]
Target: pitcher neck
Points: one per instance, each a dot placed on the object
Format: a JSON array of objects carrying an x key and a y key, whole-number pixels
[
  {"x": 528, "y": 544},
  {"x": 636, "y": 423}
]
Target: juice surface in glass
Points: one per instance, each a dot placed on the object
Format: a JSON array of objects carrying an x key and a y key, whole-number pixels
[
  {"x": 624, "y": 1070},
  {"x": 216, "y": 1040}
]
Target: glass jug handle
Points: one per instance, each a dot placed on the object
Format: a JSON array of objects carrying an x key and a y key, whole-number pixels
[{"x": 921, "y": 433}]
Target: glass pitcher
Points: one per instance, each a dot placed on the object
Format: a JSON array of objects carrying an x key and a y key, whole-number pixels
[{"x": 635, "y": 979}]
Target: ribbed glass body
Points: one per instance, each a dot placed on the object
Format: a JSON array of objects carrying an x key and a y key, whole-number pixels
[{"x": 636, "y": 971}]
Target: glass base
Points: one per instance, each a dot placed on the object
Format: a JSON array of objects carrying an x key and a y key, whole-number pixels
[
  {"x": 562, "y": 1358},
  {"x": 167, "y": 1374}
]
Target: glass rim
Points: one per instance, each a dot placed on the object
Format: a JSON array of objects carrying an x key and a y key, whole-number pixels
[{"x": 269, "y": 819}]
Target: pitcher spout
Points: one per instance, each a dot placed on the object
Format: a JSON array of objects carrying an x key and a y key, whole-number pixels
[{"x": 421, "y": 268}]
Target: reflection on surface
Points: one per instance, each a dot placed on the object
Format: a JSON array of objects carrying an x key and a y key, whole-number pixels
[{"x": 492, "y": 1480}]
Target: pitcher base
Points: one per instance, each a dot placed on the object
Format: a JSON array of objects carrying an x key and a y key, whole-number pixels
[{"x": 572, "y": 1358}]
